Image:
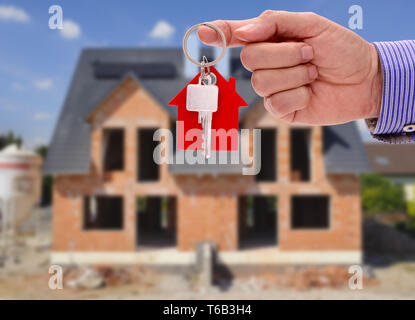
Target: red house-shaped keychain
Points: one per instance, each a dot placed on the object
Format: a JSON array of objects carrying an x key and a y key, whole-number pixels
[{"x": 226, "y": 117}]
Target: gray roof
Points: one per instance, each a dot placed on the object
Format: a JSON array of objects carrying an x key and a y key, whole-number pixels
[
  {"x": 69, "y": 151},
  {"x": 343, "y": 149},
  {"x": 392, "y": 159}
]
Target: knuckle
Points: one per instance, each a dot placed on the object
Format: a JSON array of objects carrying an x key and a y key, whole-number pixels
[
  {"x": 314, "y": 20},
  {"x": 311, "y": 15},
  {"x": 267, "y": 13}
]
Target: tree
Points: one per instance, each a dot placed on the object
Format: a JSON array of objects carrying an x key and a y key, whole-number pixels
[
  {"x": 10, "y": 138},
  {"x": 42, "y": 151},
  {"x": 379, "y": 194},
  {"x": 411, "y": 206}
]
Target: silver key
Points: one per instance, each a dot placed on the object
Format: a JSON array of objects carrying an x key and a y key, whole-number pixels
[
  {"x": 203, "y": 98},
  {"x": 206, "y": 118}
]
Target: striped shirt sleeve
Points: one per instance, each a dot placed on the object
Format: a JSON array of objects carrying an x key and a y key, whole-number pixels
[{"x": 398, "y": 97}]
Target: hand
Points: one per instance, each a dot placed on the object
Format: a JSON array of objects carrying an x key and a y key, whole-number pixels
[{"x": 309, "y": 69}]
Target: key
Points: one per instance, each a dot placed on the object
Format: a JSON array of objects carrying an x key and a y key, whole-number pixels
[
  {"x": 206, "y": 119},
  {"x": 203, "y": 98}
]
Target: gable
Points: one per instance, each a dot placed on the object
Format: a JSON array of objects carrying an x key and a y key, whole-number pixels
[{"x": 128, "y": 101}]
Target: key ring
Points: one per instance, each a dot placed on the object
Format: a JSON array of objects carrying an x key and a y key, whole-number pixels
[
  {"x": 203, "y": 64},
  {"x": 204, "y": 75}
]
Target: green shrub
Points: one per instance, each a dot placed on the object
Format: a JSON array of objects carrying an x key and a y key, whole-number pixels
[
  {"x": 379, "y": 194},
  {"x": 411, "y": 206}
]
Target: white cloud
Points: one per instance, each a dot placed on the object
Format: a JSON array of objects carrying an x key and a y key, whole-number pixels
[
  {"x": 71, "y": 29},
  {"x": 17, "y": 86},
  {"x": 162, "y": 30},
  {"x": 42, "y": 116},
  {"x": 44, "y": 84},
  {"x": 11, "y": 13}
]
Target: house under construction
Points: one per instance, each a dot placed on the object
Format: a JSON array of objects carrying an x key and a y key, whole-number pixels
[{"x": 113, "y": 204}]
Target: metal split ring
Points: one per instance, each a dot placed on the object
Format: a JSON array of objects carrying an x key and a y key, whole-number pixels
[
  {"x": 204, "y": 64},
  {"x": 206, "y": 77},
  {"x": 203, "y": 67}
]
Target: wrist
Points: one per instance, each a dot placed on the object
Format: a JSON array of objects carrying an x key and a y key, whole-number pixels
[{"x": 376, "y": 83}]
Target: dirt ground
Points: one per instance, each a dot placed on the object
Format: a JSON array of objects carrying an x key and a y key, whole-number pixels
[
  {"x": 394, "y": 282},
  {"x": 28, "y": 277}
]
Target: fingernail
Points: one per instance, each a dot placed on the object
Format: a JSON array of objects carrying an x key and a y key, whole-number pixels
[
  {"x": 307, "y": 53},
  {"x": 312, "y": 72},
  {"x": 247, "y": 28}
]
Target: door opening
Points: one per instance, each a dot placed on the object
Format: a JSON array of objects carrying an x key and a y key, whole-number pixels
[
  {"x": 156, "y": 222},
  {"x": 257, "y": 221}
]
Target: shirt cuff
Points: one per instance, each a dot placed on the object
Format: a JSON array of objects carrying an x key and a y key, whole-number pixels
[
  {"x": 394, "y": 138},
  {"x": 398, "y": 96}
]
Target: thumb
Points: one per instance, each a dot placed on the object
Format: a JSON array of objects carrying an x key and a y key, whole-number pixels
[
  {"x": 283, "y": 24},
  {"x": 291, "y": 25},
  {"x": 257, "y": 31}
]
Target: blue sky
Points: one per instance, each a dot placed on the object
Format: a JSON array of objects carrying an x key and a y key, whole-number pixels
[{"x": 36, "y": 63}]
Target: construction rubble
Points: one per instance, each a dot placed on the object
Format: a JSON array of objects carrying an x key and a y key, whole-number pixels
[
  {"x": 297, "y": 278},
  {"x": 105, "y": 276}
]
